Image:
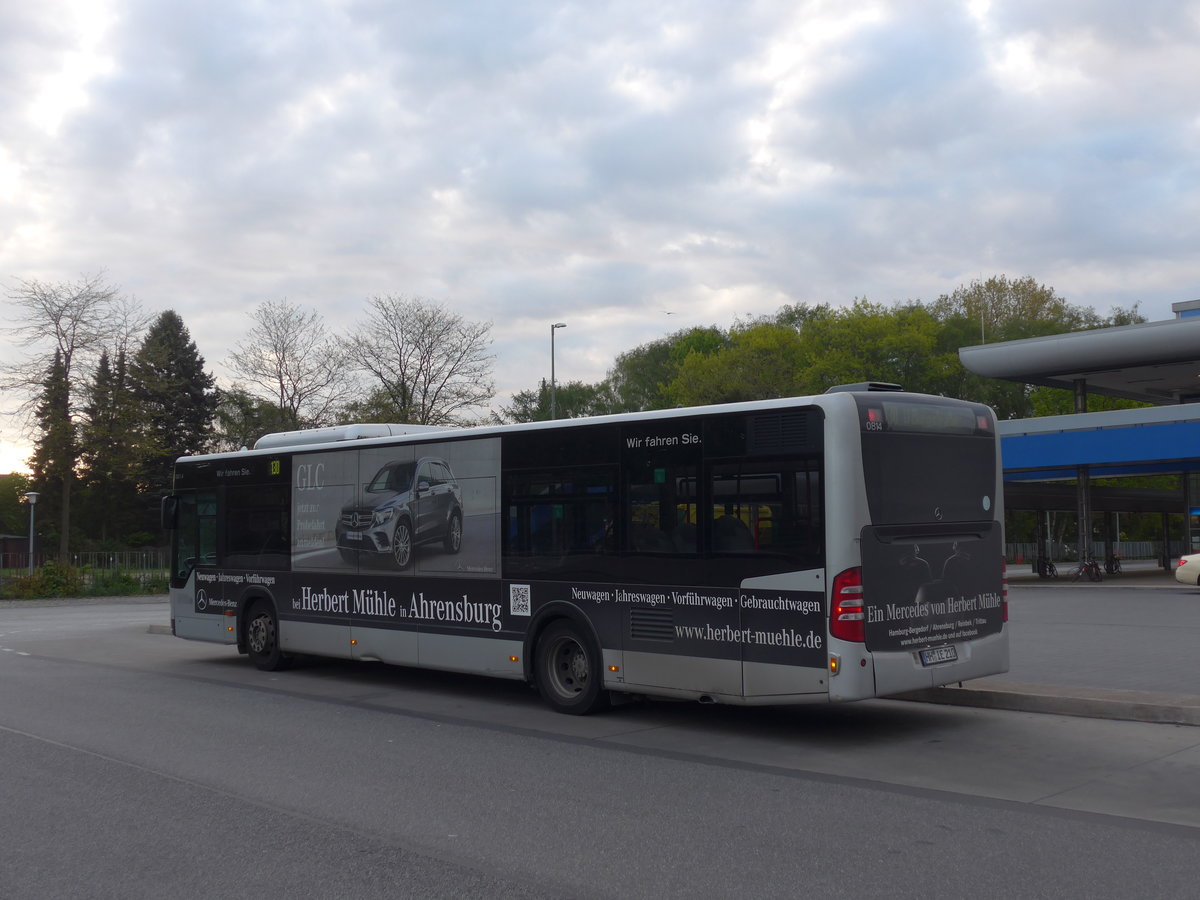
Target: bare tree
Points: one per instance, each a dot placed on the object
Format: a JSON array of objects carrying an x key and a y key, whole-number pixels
[
  {"x": 64, "y": 327},
  {"x": 427, "y": 365},
  {"x": 293, "y": 361},
  {"x": 76, "y": 320}
]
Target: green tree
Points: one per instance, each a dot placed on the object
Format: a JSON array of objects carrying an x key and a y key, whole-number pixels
[
  {"x": 54, "y": 454},
  {"x": 639, "y": 377},
  {"x": 176, "y": 396},
  {"x": 1004, "y": 309},
  {"x": 241, "y": 419},
  {"x": 870, "y": 342},
  {"x": 800, "y": 315},
  {"x": 760, "y": 361},
  {"x": 109, "y": 452},
  {"x": 14, "y": 514},
  {"x": 572, "y": 400},
  {"x": 1048, "y": 401}
]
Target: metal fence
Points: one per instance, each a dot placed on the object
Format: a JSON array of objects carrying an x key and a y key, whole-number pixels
[
  {"x": 1028, "y": 552},
  {"x": 143, "y": 566}
]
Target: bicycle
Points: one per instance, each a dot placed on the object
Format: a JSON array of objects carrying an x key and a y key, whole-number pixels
[
  {"x": 1090, "y": 568},
  {"x": 1045, "y": 568},
  {"x": 1112, "y": 566}
]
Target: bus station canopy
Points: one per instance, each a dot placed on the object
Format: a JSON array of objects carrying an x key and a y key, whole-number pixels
[
  {"x": 1145, "y": 441},
  {"x": 1154, "y": 362}
]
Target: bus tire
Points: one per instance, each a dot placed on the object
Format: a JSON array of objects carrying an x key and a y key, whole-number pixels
[
  {"x": 262, "y": 638},
  {"x": 402, "y": 544},
  {"x": 453, "y": 542},
  {"x": 568, "y": 670}
]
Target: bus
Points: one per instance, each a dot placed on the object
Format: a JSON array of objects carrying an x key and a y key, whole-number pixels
[{"x": 828, "y": 548}]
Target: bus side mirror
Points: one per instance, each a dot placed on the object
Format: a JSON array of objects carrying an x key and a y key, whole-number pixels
[{"x": 169, "y": 513}]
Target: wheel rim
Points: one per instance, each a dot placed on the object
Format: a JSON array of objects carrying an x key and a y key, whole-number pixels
[
  {"x": 402, "y": 544},
  {"x": 569, "y": 670},
  {"x": 261, "y": 635},
  {"x": 455, "y": 533}
]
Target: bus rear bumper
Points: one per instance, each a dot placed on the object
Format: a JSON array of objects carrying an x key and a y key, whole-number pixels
[{"x": 901, "y": 671}]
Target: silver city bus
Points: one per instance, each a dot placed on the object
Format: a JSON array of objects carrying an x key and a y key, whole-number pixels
[{"x": 812, "y": 549}]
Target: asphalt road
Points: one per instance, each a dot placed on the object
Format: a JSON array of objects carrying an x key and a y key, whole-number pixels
[{"x": 138, "y": 765}]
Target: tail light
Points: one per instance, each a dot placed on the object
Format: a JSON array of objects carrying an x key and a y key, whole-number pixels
[{"x": 847, "y": 619}]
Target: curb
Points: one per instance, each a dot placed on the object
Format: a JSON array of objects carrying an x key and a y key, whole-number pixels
[{"x": 1121, "y": 705}]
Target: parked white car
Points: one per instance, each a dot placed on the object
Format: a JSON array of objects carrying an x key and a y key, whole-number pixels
[{"x": 1188, "y": 570}]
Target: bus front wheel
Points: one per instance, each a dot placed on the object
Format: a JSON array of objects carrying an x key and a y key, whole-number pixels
[
  {"x": 568, "y": 670},
  {"x": 262, "y": 638}
]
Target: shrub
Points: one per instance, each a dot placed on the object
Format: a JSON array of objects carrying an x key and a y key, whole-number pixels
[{"x": 52, "y": 580}]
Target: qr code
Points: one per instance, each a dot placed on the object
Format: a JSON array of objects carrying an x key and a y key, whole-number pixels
[{"x": 518, "y": 600}]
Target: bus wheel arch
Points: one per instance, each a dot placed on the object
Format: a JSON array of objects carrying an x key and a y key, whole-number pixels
[
  {"x": 259, "y": 634},
  {"x": 567, "y": 665}
]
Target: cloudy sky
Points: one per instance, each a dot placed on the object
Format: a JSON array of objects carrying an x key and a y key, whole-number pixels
[{"x": 601, "y": 164}]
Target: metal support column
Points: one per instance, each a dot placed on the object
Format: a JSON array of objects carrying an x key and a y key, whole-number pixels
[
  {"x": 1083, "y": 489},
  {"x": 1109, "y": 550},
  {"x": 1189, "y": 501},
  {"x": 1165, "y": 558}
]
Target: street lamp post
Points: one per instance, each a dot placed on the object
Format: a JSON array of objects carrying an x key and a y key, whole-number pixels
[
  {"x": 553, "y": 388},
  {"x": 31, "y": 498}
]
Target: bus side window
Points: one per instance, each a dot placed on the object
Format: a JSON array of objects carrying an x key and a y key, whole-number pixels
[
  {"x": 767, "y": 508},
  {"x": 257, "y": 532},
  {"x": 659, "y": 500},
  {"x": 184, "y": 539},
  {"x": 745, "y": 508},
  {"x": 558, "y": 513},
  {"x": 206, "y": 511},
  {"x": 194, "y": 541}
]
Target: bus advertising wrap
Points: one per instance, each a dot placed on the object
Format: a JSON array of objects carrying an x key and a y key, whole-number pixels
[
  {"x": 931, "y": 588},
  {"x": 753, "y": 624},
  {"x": 684, "y": 553}
]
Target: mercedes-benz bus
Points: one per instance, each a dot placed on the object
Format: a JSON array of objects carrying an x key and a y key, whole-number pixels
[{"x": 813, "y": 549}]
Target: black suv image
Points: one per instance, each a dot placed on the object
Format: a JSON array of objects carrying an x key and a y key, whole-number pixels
[{"x": 404, "y": 505}]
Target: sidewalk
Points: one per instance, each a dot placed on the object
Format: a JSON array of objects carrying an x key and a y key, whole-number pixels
[
  {"x": 1122, "y": 648},
  {"x": 1135, "y": 573}
]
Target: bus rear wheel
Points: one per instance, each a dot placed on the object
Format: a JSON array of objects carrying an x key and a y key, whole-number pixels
[
  {"x": 568, "y": 670},
  {"x": 262, "y": 638}
]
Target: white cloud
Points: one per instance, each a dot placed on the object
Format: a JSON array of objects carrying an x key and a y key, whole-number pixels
[{"x": 537, "y": 161}]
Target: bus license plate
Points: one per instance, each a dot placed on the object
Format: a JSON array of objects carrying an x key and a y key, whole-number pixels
[{"x": 938, "y": 655}]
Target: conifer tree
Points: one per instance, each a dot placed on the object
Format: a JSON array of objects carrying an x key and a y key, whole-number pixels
[
  {"x": 108, "y": 448},
  {"x": 54, "y": 452},
  {"x": 176, "y": 398}
]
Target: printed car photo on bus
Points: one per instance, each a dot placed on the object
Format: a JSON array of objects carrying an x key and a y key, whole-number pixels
[{"x": 406, "y": 504}]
